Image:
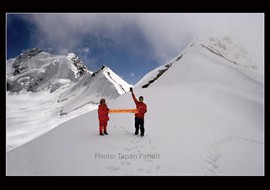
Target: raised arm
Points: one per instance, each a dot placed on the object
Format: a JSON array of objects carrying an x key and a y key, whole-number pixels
[{"x": 133, "y": 96}]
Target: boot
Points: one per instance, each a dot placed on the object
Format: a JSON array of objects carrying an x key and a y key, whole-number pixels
[
  {"x": 100, "y": 130},
  {"x": 105, "y": 130}
]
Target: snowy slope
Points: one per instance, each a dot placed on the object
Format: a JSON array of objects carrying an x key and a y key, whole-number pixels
[
  {"x": 205, "y": 117},
  {"x": 45, "y": 90}
]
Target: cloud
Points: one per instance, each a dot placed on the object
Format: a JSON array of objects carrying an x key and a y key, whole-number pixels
[
  {"x": 63, "y": 51},
  {"x": 70, "y": 30},
  {"x": 157, "y": 36},
  {"x": 170, "y": 33},
  {"x": 84, "y": 50},
  {"x": 132, "y": 74}
]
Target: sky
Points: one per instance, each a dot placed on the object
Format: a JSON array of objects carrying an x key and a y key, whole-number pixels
[{"x": 131, "y": 44}]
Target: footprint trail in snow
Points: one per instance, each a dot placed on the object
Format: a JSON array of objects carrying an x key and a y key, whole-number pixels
[{"x": 136, "y": 157}]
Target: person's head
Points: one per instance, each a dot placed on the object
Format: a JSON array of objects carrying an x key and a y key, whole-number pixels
[
  {"x": 102, "y": 101},
  {"x": 140, "y": 99}
]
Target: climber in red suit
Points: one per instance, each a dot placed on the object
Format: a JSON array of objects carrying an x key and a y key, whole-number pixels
[{"x": 103, "y": 117}]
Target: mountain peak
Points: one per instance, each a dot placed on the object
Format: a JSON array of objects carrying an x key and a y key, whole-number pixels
[
  {"x": 217, "y": 50},
  {"x": 18, "y": 68},
  {"x": 228, "y": 49},
  {"x": 35, "y": 70}
]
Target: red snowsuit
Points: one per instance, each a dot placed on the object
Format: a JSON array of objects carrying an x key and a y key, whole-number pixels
[
  {"x": 103, "y": 117},
  {"x": 142, "y": 108},
  {"x": 139, "y": 117}
]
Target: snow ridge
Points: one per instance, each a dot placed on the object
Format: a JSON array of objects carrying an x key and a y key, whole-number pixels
[
  {"x": 103, "y": 83},
  {"x": 224, "y": 48}
]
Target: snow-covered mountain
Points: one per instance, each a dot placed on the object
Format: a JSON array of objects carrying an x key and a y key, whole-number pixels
[
  {"x": 205, "y": 117},
  {"x": 35, "y": 70},
  {"x": 224, "y": 48},
  {"x": 91, "y": 87},
  {"x": 44, "y": 90}
]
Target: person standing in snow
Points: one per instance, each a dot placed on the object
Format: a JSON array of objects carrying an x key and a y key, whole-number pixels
[
  {"x": 103, "y": 116},
  {"x": 139, "y": 117}
]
